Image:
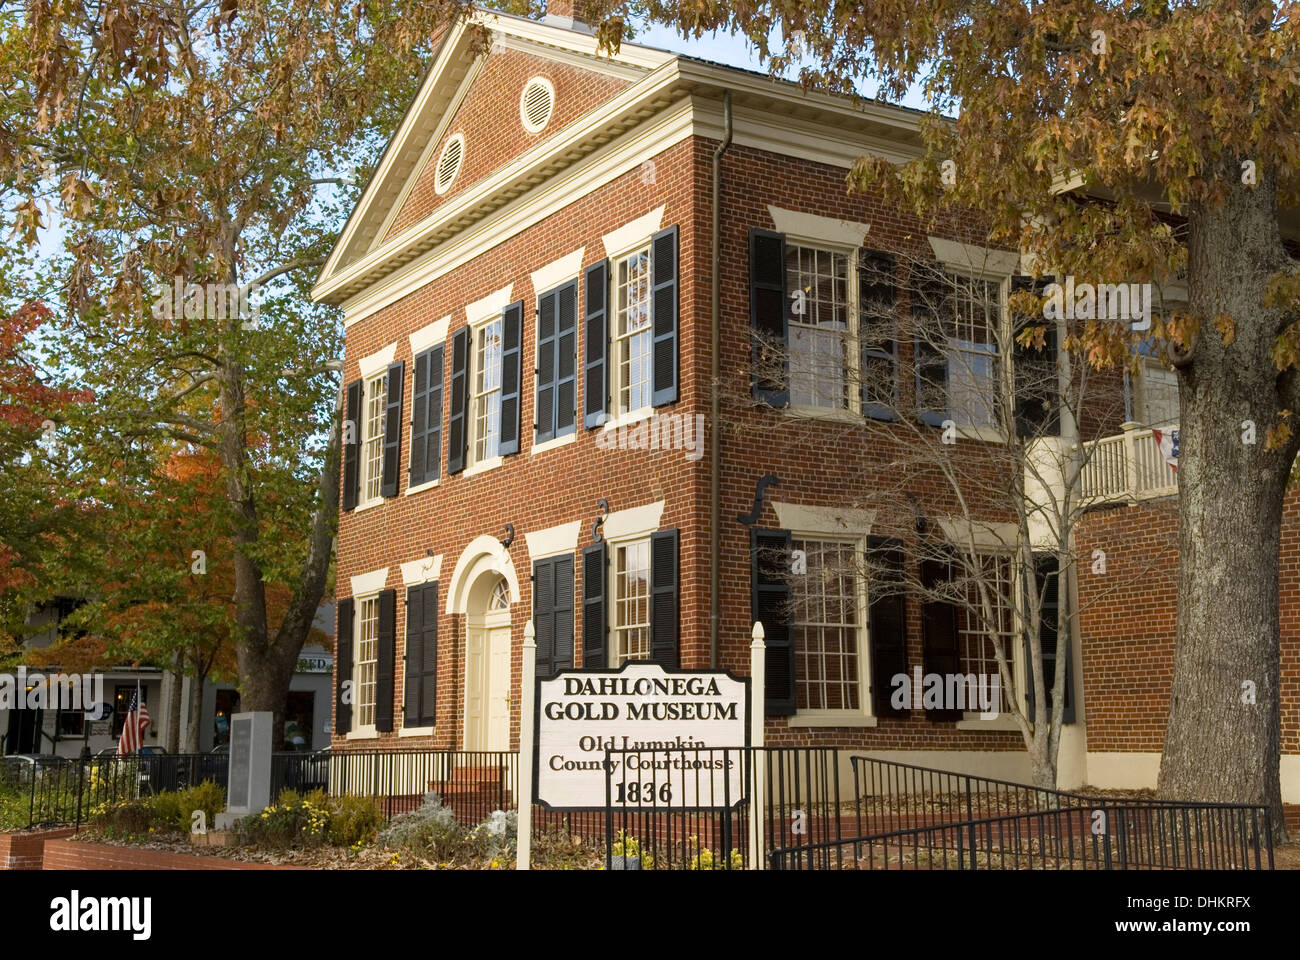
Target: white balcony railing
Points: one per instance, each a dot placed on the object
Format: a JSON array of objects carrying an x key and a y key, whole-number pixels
[{"x": 1128, "y": 466}]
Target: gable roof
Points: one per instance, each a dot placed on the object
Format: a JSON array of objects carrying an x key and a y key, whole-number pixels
[{"x": 375, "y": 243}]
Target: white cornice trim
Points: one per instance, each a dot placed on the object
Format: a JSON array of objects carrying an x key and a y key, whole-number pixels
[
  {"x": 968, "y": 258},
  {"x": 799, "y": 517},
  {"x": 489, "y": 306},
  {"x": 364, "y": 584},
  {"x": 811, "y": 228},
  {"x": 983, "y": 534},
  {"x": 633, "y": 522},
  {"x": 375, "y": 363},
  {"x": 557, "y": 272},
  {"x": 633, "y": 233},
  {"x": 422, "y": 570},
  {"x": 553, "y": 540},
  {"x": 430, "y": 336}
]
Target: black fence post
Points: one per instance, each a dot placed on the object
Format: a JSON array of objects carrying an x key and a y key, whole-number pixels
[{"x": 81, "y": 771}]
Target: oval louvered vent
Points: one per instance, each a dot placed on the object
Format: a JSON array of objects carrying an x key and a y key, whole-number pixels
[
  {"x": 453, "y": 152},
  {"x": 536, "y": 104}
]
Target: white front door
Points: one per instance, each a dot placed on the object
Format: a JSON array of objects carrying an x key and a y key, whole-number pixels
[{"x": 487, "y": 689}]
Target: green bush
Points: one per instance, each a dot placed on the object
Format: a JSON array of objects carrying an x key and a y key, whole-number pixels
[
  {"x": 209, "y": 796},
  {"x": 353, "y": 820},
  {"x": 434, "y": 833},
  {"x": 295, "y": 823},
  {"x": 129, "y": 817}
]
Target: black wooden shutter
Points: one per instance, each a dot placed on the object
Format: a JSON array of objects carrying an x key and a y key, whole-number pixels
[
  {"x": 421, "y": 654},
  {"x": 663, "y": 271},
  {"x": 566, "y": 360},
  {"x": 930, "y": 360},
  {"x": 392, "y": 428},
  {"x": 1038, "y": 393},
  {"x": 562, "y": 609},
  {"x": 595, "y": 622},
  {"x": 457, "y": 422},
  {"x": 343, "y": 668},
  {"x": 543, "y": 615},
  {"x": 941, "y": 653},
  {"x": 878, "y": 335},
  {"x": 769, "y": 317},
  {"x": 386, "y": 660},
  {"x": 769, "y": 552},
  {"x": 426, "y": 418},
  {"x": 665, "y": 599},
  {"x": 512, "y": 337},
  {"x": 545, "y": 413},
  {"x": 413, "y": 661},
  {"x": 352, "y": 447},
  {"x": 1047, "y": 584},
  {"x": 596, "y": 373},
  {"x": 887, "y": 622}
]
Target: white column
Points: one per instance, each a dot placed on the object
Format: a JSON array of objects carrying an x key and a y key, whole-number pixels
[
  {"x": 758, "y": 710},
  {"x": 524, "y": 793}
]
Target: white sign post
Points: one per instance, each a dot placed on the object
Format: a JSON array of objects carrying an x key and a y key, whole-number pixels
[
  {"x": 684, "y": 718},
  {"x": 757, "y": 677},
  {"x": 524, "y": 802}
]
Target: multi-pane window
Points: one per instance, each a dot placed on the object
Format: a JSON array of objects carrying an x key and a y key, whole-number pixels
[
  {"x": 630, "y": 633},
  {"x": 828, "y": 621},
  {"x": 376, "y": 396},
  {"x": 957, "y": 356},
  {"x": 632, "y": 331},
  {"x": 987, "y": 613},
  {"x": 366, "y": 662},
  {"x": 820, "y": 329},
  {"x": 487, "y": 391}
]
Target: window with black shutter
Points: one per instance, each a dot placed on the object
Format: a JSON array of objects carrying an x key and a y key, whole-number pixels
[
  {"x": 421, "y": 663},
  {"x": 343, "y": 692},
  {"x": 352, "y": 447},
  {"x": 941, "y": 652},
  {"x": 457, "y": 435},
  {"x": 392, "y": 429},
  {"x": 769, "y": 318},
  {"x": 1038, "y": 391},
  {"x": 385, "y": 660},
  {"x": 663, "y": 357},
  {"x": 595, "y": 321},
  {"x": 665, "y": 604},
  {"x": 769, "y": 552},
  {"x": 1047, "y": 585},
  {"x": 426, "y": 418},
  {"x": 878, "y": 335},
  {"x": 931, "y": 297},
  {"x": 557, "y": 330},
  {"x": 595, "y": 624},
  {"x": 512, "y": 334},
  {"x": 887, "y": 622}
]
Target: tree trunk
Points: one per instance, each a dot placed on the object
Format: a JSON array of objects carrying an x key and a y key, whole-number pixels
[
  {"x": 177, "y": 674},
  {"x": 1223, "y": 737},
  {"x": 200, "y": 678}
]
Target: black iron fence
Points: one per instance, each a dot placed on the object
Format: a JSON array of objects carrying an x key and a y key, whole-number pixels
[{"x": 909, "y": 817}]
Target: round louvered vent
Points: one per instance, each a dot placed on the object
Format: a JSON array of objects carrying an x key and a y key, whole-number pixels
[
  {"x": 536, "y": 104},
  {"x": 453, "y": 152}
]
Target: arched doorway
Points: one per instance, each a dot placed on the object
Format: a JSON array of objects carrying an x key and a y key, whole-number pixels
[{"x": 487, "y": 664}]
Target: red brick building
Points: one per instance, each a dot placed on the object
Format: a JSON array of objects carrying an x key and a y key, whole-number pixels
[{"x": 528, "y": 288}]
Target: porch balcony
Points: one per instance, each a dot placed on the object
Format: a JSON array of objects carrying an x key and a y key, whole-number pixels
[{"x": 1127, "y": 467}]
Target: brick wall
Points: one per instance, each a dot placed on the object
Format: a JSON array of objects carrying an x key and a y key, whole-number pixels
[
  {"x": 24, "y": 851},
  {"x": 75, "y": 855},
  {"x": 1128, "y": 623}
]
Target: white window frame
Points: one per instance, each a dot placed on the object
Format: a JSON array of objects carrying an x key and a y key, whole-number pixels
[
  {"x": 614, "y": 657},
  {"x": 359, "y": 729},
  {"x": 1013, "y": 654},
  {"x": 473, "y": 463},
  {"x": 853, "y": 360},
  {"x": 864, "y": 715},
  {"x": 616, "y": 415},
  {"x": 372, "y": 468}
]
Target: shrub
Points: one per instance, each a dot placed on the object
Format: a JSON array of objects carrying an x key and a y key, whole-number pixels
[
  {"x": 296, "y": 823},
  {"x": 353, "y": 820},
  {"x": 702, "y": 858},
  {"x": 431, "y": 831},
  {"x": 208, "y": 796},
  {"x": 124, "y": 816}
]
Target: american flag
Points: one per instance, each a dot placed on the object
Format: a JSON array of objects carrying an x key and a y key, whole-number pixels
[
  {"x": 1167, "y": 440},
  {"x": 137, "y": 722}
]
